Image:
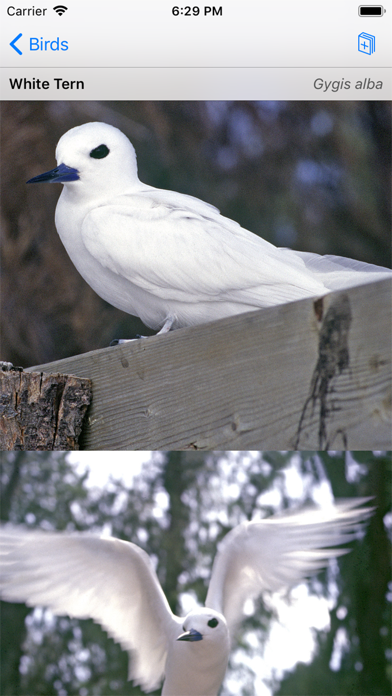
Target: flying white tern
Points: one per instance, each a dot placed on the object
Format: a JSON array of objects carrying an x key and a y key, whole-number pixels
[
  {"x": 167, "y": 257},
  {"x": 114, "y": 583}
]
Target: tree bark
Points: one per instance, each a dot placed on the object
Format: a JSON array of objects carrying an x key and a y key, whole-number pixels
[{"x": 41, "y": 411}]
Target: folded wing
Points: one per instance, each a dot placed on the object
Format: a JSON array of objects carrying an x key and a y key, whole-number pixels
[
  {"x": 181, "y": 254},
  {"x": 338, "y": 273}
]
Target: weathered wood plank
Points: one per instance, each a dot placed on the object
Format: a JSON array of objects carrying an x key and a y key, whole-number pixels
[
  {"x": 42, "y": 411},
  {"x": 273, "y": 379}
]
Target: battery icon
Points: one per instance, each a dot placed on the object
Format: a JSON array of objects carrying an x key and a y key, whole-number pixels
[{"x": 371, "y": 10}]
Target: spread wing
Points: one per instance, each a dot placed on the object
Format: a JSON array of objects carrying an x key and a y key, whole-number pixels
[
  {"x": 279, "y": 552},
  {"x": 180, "y": 249},
  {"x": 106, "y": 579}
]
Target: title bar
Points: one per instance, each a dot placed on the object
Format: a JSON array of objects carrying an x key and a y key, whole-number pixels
[{"x": 227, "y": 33}]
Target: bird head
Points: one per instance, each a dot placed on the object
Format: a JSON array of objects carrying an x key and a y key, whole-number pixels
[
  {"x": 205, "y": 624},
  {"x": 93, "y": 158}
]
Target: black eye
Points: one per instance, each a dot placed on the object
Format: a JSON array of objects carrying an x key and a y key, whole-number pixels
[
  {"x": 100, "y": 152},
  {"x": 213, "y": 623}
]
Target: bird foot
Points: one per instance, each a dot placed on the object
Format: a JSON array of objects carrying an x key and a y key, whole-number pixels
[
  {"x": 165, "y": 329},
  {"x": 119, "y": 341}
]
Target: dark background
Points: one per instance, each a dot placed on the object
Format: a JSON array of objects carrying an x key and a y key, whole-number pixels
[{"x": 314, "y": 176}]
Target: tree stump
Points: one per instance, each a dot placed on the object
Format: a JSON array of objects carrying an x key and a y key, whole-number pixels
[{"x": 41, "y": 411}]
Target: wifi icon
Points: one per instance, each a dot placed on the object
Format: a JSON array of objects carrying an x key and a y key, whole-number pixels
[{"x": 60, "y": 9}]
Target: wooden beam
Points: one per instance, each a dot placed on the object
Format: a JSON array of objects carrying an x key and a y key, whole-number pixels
[{"x": 305, "y": 375}]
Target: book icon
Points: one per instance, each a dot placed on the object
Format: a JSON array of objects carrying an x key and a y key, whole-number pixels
[{"x": 366, "y": 43}]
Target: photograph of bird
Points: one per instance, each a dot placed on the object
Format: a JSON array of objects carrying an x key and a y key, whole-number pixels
[
  {"x": 167, "y": 257},
  {"x": 114, "y": 582}
]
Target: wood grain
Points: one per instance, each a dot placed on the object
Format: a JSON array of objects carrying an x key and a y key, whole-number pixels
[{"x": 305, "y": 375}]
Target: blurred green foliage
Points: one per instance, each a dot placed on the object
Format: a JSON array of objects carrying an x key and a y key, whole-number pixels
[{"x": 177, "y": 509}]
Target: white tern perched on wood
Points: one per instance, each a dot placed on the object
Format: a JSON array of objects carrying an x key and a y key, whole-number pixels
[
  {"x": 167, "y": 257},
  {"x": 114, "y": 583}
]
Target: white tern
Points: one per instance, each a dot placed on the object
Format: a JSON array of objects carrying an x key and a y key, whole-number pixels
[
  {"x": 114, "y": 583},
  {"x": 167, "y": 257}
]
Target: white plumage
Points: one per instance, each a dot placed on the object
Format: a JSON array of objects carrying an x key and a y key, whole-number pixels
[
  {"x": 113, "y": 582},
  {"x": 166, "y": 257}
]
